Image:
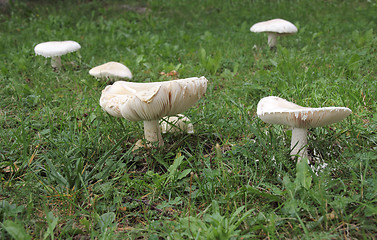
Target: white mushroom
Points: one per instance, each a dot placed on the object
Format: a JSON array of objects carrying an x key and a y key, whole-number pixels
[
  {"x": 111, "y": 70},
  {"x": 274, "y": 28},
  {"x": 177, "y": 123},
  {"x": 55, "y": 49},
  {"x": 149, "y": 102},
  {"x": 276, "y": 110}
]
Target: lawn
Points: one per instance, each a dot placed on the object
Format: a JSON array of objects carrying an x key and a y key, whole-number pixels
[{"x": 68, "y": 169}]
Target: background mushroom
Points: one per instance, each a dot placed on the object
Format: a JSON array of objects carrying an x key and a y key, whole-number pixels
[
  {"x": 176, "y": 124},
  {"x": 111, "y": 70},
  {"x": 55, "y": 49},
  {"x": 277, "y": 110},
  {"x": 149, "y": 102},
  {"x": 274, "y": 28}
]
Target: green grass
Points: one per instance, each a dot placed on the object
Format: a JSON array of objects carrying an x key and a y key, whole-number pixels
[{"x": 67, "y": 169}]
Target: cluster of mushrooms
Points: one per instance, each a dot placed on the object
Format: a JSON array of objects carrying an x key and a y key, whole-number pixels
[{"x": 160, "y": 104}]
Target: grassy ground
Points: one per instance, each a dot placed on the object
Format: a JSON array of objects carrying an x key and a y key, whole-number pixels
[{"x": 67, "y": 169}]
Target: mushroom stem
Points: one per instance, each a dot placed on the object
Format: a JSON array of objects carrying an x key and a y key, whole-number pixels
[
  {"x": 56, "y": 62},
  {"x": 299, "y": 143},
  {"x": 152, "y": 132},
  {"x": 272, "y": 40}
]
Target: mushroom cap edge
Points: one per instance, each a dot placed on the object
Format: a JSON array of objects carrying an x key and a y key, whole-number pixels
[
  {"x": 296, "y": 116},
  {"x": 152, "y": 101},
  {"x": 56, "y": 48},
  {"x": 111, "y": 69},
  {"x": 279, "y": 26}
]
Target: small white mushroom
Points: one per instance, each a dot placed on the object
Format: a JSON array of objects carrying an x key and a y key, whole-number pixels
[
  {"x": 276, "y": 110},
  {"x": 55, "y": 49},
  {"x": 111, "y": 70},
  {"x": 149, "y": 102},
  {"x": 177, "y": 123},
  {"x": 274, "y": 28}
]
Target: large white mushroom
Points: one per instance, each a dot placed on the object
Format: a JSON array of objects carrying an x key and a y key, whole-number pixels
[
  {"x": 55, "y": 49},
  {"x": 277, "y": 110},
  {"x": 274, "y": 28},
  {"x": 111, "y": 70},
  {"x": 149, "y": 102}
]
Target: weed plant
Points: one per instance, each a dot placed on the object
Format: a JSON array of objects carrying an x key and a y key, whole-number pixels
[{"x": 66, "y": 166}]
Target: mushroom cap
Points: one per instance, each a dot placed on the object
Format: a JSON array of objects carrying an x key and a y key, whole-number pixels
[
  {"x": 277, "y": 110},
  {"x": 279, "y": 26},
  {"x": 56, "y": 48},
  {"x": 152, "y": 101},
  {"x": 112, "y": 70},
  {"x": 176, "y": 123}
]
